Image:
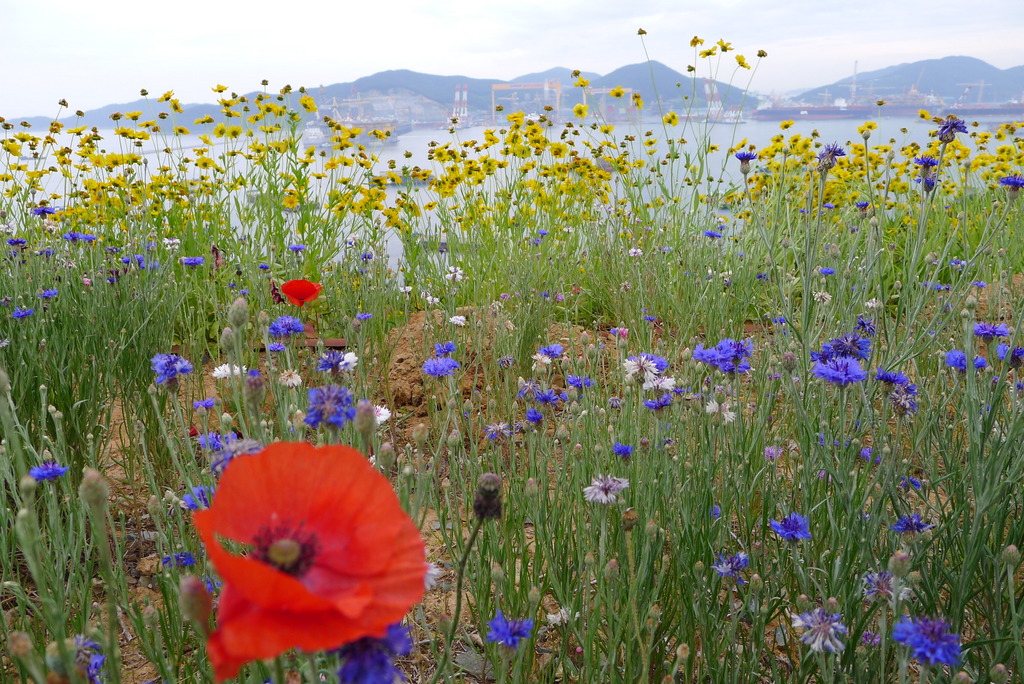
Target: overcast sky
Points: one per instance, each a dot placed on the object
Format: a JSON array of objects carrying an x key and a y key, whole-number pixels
[{"x": 102, "y": 52}]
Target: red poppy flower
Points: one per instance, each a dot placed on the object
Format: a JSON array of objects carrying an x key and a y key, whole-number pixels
[
  {"x": 299, "y": 292},
  {"x": 332, "y": 556}
]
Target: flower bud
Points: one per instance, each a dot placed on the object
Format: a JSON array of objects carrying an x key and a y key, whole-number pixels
[
  {"x": 487, "y": 502},
  {"x": 386, "y": 456},
  {"x": 365, "y": 421},
  {"x": 419, "y": 435},
  {"x": 630, "y": 519},
  {"x": 1011, "y": 557},
  {"x": 899, "y": 563},
  {"x": 94, "y": 489},
  {"x": 999, "y": 674},
  {"x": 611, "y": 570},
  {"x": 238, "y": 314},
  {"x": 19, "y": 644},
  {"x": 195, "y": 602},
  {"x": 227, "y": 340}
]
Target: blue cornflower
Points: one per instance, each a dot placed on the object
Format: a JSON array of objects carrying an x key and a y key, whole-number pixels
[
  {"x": 17, "y": 242},
  {"x": 88, "y": 658},
  {"x": 534, "y": 416},
  {"x": 828, "y": 155},
  {"x": 232, "y": 447},
  {"x": 896, "y": 378},
  {"x": 728, "y": 355},
  {"x": 664, "y": 401},
  {"x": 1016, "y": 355},
  {"x": 198, "y": 498},
  {"x": 264, "y": 267},
  {"x": 979, "y": 283},
  {"x": 713, "y": 234},
  {"x": 22, "y": 313},
  {"x": 730, "y": 566},
  {"x": 211, "y": 441},
  {"x": 335, "y": 362},
  {"x": 866, "y": 453},
  {"x": 49, "y": 470},
  {"x": 929, "y": 640},
  {"x": 826, "y": 271},
  {"x": 179, "y": 560},
  {"x": 926, "y": 162},
  {"x": 75, "y": 236},
  {"x": 578, "y": 381},
  {"x": 370, "y": 660},
  {"x": 911, "y": 524},
  {"x": 43, "y": 211},
  {"x": 508, "y": 633},
  {"x": 793, "y": 527},
  {"x": 624, "y": 451},
  {"x": 746, "y": 157},
  {"x": 1012, "y": 183},
  {"x": 440, "y": 367},
  {"x": 286, "y": 326},
  {"x": 204, "y": 404},
  {"x": 364, "y": 316},
  {"x": 990, "y": 330},
  {"x": 955, "y": 358},
  {"x": 957, "y": 263},
  {"x": 909, "y": 481},
  {"x": 47, "y": 294},
  {"x": 552, "y": 351},
  {"x": 168, "y": 367},
  {"x": 950, "y": 127},
  {"x": 862, "y": 205},
  {"x": 841, "y": 371},
  {"x": 444, "y": 349},
  {"x": 193, "y": 261},
  {"x": 297, "y": 248},
  {"x": 506, "y": 362},
  {"x": 330, "y": 404},
  {"x": 275, "y": 347},
  {"x": 548, "y": 396},
  {"x": 865, "y": 325}
]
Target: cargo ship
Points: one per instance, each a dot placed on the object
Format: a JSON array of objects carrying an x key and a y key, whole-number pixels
[{"x": 840, "y": 109}]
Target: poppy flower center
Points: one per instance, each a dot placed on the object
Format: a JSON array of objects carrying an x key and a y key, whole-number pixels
[{"x": 291, "y": 550}]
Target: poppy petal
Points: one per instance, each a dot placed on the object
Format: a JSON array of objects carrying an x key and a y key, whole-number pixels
[
  {"x": 299, "y": 292},
  {"x": 365, "y": 572}
]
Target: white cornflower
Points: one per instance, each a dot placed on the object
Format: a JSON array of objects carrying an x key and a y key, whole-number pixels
[
  {"x": 713, "y": 407},
  {"x": 455, "y": 274},
  {"x": 541, "y": 360},
  {"x": 226, "y": 371},
  {"x": 405, "y": 290},
  {"x": 661, "y": 383},
  {"x": 562, "y": 617},
  {"x": 823, "y": 630},
  {"x": 872, "y": 304},
  {"x": 433, "y": 574},
  {"x": 822, "y": 297},
  {"x": 635, "y": 252},
  {"x": 290, "y": 378},
  {"x": 4, "y": 342},
  {"x": 603, "y": 489},
  {"x": 172, "y": 244},
  {"x": 382, "y": 414},
  {"x": 457, "y": 320}
]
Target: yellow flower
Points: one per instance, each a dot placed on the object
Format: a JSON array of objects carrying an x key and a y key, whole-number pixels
[
  {"x": 307, "y": 103},
  {"x": 166, "y": 96},
  {"x": 710, "y": 52},
  {"x": 219, "y": 88},
  {"x": 580, "y": 111},
  {"x": 742, "y": 62},
  {"x": 617, "y": 91},
  {"x": 923, "y": 113},
  {"x": 638, "y": 101},
  {"x": 581, "y": 82},
  {"x": 724, "y": 45},
  {"x": 762, "y": 54},
  {"x": 786, "y": 124},
  {"x": 671, "y": 119},
  {"x": 607, "y": 128},
  {"x": 695, "y": 41}
]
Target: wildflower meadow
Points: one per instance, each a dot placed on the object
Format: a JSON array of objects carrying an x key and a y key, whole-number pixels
[{"x": 569, "y": 402}]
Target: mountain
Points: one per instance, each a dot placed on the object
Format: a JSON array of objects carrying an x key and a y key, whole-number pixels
[{"x": 948, "y": 78}]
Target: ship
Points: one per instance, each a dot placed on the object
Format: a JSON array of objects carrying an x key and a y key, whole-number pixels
[{"x": 361, "y": 126}]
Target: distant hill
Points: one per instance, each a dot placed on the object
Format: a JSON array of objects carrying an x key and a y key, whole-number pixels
[
  {"x": 417, "y": 95},
  {"x": 948, "y": 79}
]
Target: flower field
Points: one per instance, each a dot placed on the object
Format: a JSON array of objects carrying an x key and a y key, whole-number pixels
[{"x": 581, "y": 404}]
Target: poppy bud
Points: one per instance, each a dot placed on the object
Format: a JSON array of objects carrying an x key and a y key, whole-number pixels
[
  {"x": 487, "y": 502},
  {"x": 195, "y": 602}
]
